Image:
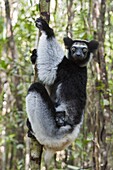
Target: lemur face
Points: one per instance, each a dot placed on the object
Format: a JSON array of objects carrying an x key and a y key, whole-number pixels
[{"x": 79, "y": 50}]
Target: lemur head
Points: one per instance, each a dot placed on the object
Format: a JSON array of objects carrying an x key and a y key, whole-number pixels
[{"x": 80, "y": 51}]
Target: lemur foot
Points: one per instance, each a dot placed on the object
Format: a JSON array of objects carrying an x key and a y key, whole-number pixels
[
  {"x": 34, "y": 56},
  {"x": 43, "y": 26}
]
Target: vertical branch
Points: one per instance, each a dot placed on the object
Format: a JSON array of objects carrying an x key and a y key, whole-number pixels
[
  {"x": 96, "y": 130},
  {"x": 102, "y": 83},
  {"x": 11, "y": 51},
  {"x": 35, "y": 147},
  {"x": 104, "y": 79},
  {"x": 44, "y": 7},
  {"x": 36, "y": 150},
  {"x": 55, "y": 10},
  {"x": 70, "y": 15},
  {"x": 10, "y": 36},
  {"x": 89, "y": 13}
]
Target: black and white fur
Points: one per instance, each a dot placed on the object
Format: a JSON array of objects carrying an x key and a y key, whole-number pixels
[{"x": 66, "y": 79}]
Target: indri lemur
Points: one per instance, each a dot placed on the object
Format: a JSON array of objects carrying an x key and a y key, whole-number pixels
[{"x": 66, "y": 79}]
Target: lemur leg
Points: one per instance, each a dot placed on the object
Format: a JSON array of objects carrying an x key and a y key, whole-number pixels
[
  {"x": 39, "y": 109},
  {"x": 41, "y": 113}
]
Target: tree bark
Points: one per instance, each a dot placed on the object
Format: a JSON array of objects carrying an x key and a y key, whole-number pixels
[
  {"x": 36, "y": 147},
  {"x": 100, "y": 158},
  {"x": 11, "y": 51},
  {"x": 70, "y": 14}
]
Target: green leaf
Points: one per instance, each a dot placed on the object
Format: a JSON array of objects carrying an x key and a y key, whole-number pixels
[
  {"x": 3, "y": 64},
  {"x": 79, "y": 144}
]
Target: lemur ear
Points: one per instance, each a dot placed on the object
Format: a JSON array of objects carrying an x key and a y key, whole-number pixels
[
  {"x": 93, "y": 45},
  {"x": 67, "y": 42}
]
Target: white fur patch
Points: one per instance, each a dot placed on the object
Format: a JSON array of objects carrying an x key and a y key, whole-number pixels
[
  {"x": 80, "y": 44},
  {"x": 50, "y": 54},
  {"x": 33, "y": 103},
  {"x": 37, "y": 112},
  {"x": 61, "y": 108}
]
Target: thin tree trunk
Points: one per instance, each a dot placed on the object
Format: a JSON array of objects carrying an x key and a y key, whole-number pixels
[
  {"x": 104, "y": 79},
  {"x": 70, "y": 14},
  {"x": 102, "y": 114},
  {"x": 35, "y": 147},
  {"x": 44, "y": 7},
  {"x": 96, "y": 121},
  {"x": 11, "y": 51}
]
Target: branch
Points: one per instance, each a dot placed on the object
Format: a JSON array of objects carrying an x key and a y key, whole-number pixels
[{"x": 36, "y": 147}]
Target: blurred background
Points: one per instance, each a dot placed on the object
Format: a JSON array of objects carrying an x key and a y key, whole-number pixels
[{"x": 84, "y": 19}]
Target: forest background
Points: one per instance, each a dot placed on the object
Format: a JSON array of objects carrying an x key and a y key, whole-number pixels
[{"x": 84, "y": 19}]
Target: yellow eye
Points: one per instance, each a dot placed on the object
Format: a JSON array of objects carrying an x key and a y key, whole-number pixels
[{"x": 85, "y": 50}]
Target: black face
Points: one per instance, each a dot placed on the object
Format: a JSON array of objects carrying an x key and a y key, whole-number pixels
[{"x": 79, "y": 51}]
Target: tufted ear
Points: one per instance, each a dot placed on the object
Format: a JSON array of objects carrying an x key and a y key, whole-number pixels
[
  {"x": 93, "y": 45},
  {"x": 68, "y": 42}
]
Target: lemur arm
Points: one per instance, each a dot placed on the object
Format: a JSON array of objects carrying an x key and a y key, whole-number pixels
[{"x": 50, "y": 54}]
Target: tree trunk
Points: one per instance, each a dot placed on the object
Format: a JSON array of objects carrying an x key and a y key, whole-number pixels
[
  {"x": 100, "y": 158},
  {"x": 11, "y": 51},
  {"x": 70, "y": 15},
  {"x": 36, "y": 147}
]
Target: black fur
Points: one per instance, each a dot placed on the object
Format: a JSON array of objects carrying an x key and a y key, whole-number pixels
[
  {"x": 34, "y": 56},
  {"x": 60, "y": 118},
  {"x": 72, "y": 75},
  {"x": 92, "y": 46},
  {"x": 30, "y": 131},
  {"x": 60, "y": 121},
  {"x": 56, "y": 116},
  {"x": 47, "y": 116},
  {"x": 42, "y": 25},
  {"x": 73, "y": 79}
]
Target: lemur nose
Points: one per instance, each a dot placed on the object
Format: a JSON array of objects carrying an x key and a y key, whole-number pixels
[{"x": 78, "y": 55}]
